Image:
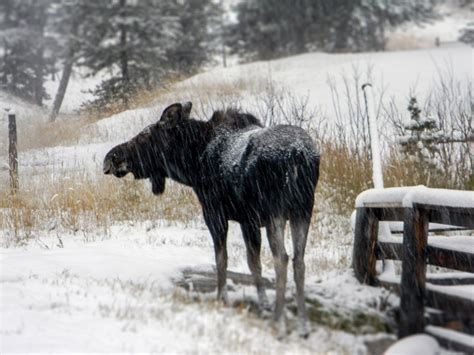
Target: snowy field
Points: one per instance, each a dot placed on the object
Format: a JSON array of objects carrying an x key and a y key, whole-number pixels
[
  {"x": 116, "y": 291},
  {"x": 116, "y": 295}
]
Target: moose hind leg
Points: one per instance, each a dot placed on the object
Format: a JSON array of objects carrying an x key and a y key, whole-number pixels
[
  {"x": 220, "y": 251},
  {"x": 253, "y": 243},
  {"x": 276, "y": 234},
  {"x": 218, "y": 228},
  {"x": 299, "y": 234}
]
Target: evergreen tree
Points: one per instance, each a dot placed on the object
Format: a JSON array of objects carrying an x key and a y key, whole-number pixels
[
  {"x": 27, "y": 52},
  {"x": 68, "y": 19},
  {"x": 420, "y": 143},
  {"x": 138, "y": 43},
  {"x": 194, "y": 43},
  {"x": 134, "y": 44},
  {"x": 273, "y": 28},
  {"x": 467, "y": 34},
  {"x": 128, "y": 40}
]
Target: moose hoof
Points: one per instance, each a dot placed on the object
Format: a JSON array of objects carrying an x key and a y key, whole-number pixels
[
  {"x": 263, "y": 303},
  {"x": 303, "y": 330},
  {"x": 223, "y": 298},
  {"x": 281, "y": 328}
]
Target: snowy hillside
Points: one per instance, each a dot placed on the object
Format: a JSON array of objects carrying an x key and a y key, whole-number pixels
[{"x": 395, "y": 75}]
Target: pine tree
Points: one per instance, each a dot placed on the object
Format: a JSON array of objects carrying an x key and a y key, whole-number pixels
[
  {"x": 27, "y": 53},
  {"x": 196, "y": 36},
  {"x": 67, "y": 24},
  {"x": 467, "y": 34},
  {"x": 138, "y": 43},
  {"x": 420, "y": 143},
  {"x": 273, "y": 28}
]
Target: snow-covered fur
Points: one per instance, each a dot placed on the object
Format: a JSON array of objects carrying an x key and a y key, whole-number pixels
[{"x": 241, "y": 171}]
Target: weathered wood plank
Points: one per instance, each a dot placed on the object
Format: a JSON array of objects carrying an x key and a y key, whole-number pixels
[
  {"x": 455, "y": 216},
  {"x": 451, "y": 259},
  {"x": 365, "y": 242},
  {"x": 458, "y": 306},
  {"x": 452, "y": 340},
  {"x": 206, "y": 280},
  {"x": 451, "y": 279},
  {"x": 454, "y": 312},
  {"x": 412, "y": 288}
]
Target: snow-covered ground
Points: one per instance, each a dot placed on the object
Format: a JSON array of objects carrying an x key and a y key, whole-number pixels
[{"x": 116, "y": 295}]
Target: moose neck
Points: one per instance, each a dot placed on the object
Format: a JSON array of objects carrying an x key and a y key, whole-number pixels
[{"x": 183, "y": 163}]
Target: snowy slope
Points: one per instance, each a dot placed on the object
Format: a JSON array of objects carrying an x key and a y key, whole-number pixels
[{"x": 396, "y": 74}]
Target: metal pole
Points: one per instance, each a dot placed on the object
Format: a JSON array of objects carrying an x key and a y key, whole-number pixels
[
  {"x": 13, "y": 152},
  {"x": 377, "y": 174}
]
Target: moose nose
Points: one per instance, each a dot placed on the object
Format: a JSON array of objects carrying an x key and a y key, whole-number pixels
[{"x": 106, "y": 167}]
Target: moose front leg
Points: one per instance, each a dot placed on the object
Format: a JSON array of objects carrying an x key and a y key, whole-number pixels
[{"x": 218, "y": 227}]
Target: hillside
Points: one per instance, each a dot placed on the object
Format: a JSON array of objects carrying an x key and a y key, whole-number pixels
[{"x": 395, "y": 76}]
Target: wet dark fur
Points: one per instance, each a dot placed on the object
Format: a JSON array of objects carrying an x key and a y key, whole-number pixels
[
  {"x": 233, "y": 119},
  {"x": 239, "y": 170}
]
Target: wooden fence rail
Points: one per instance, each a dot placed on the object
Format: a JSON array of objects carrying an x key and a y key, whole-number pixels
[{"x": 417, "y": 207}]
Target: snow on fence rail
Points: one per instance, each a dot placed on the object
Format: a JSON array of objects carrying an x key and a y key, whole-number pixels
[{"x": 417, "y": 207}]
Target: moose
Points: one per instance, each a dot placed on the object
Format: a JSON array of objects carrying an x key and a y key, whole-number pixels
[{"x": 240, "y": 171}]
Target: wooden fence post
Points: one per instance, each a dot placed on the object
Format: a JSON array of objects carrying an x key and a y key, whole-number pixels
[
  {"x": 365, "y": 243},
  {"x": 13, "y": 153},
  {"x": 412, "y": 286}
]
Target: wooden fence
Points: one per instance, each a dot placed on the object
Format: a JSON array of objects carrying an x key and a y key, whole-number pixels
[
  {"x": 440, "y": 304},
  {"x": 13, "y": 152}
]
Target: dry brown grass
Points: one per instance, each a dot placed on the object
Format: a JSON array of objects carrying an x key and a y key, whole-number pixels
[
  {"x": 65, "y": 131},
  {"x": 344, "y": 176},
  {"x": 203, "y": 93},
  {"x": 82, "y": 205},
  {"x": 407, "y": 41}
]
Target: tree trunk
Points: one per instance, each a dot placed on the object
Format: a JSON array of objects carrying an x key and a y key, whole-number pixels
[
  {"x": 39, "y": 80},
  {"x": 124, "y": 55},
  {"x": 5, "y": 60},
  {"x": 40, "y": 62},
  {"x": 63, "y": 83},
  {"x": 66, "y": 74}
]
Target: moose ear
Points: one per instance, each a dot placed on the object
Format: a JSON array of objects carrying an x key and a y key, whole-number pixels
[
  {"x": 187, "y": 106},
  {"x": 172, "y": 114}
]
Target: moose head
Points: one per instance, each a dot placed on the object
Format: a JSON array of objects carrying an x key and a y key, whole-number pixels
[{"x": 147, "y": 155}]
